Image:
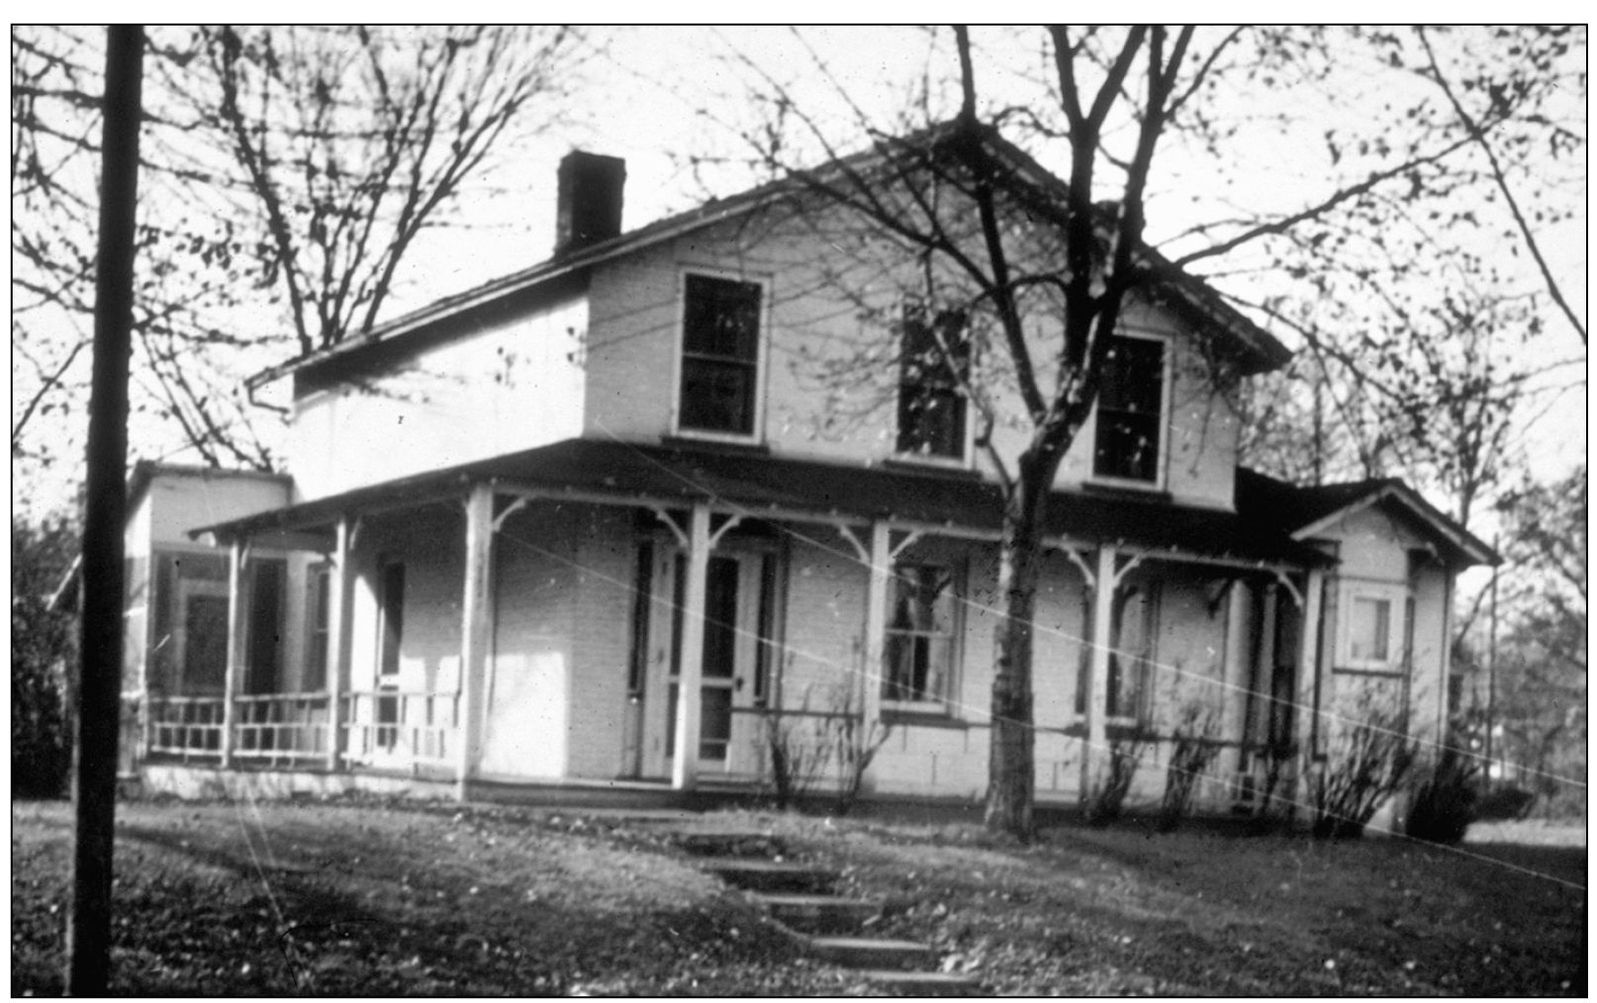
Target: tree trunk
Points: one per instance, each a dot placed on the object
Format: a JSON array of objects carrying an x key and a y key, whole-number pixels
[
  {"x": 1012, "y": 775},
  {"x": 88, "y": 932}
]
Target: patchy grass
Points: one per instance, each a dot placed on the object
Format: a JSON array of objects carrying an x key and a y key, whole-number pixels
[
  {"x": 378, "y": 899},
  {"x": 348, "y": 899}
]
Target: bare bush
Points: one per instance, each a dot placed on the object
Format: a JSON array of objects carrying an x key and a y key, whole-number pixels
[
  {"x": 1365, "y": 766},
  {"x": 1193, "y": 751}
]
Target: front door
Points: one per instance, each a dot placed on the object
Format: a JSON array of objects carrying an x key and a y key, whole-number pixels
[{"x": 736, "y": 662}]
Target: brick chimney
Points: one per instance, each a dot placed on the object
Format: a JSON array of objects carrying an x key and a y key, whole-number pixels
[{"x": 588, "y": 209}]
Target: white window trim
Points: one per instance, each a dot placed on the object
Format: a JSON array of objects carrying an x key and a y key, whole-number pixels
[
  {"x": 1161, "y": 464},
  {"x": 947, "y": 706},
  {"x": 1397, "y": 597},
  {"x": 762, "y": 349},
  {"x": 967, "y": 447}
]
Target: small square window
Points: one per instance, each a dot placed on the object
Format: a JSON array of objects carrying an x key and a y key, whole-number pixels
[
  {"x": 1374, "y": 621},
  {"x": 720, "y": 355}
]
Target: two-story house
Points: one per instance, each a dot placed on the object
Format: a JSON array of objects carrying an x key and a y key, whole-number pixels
[{"x": 614, "y": 521}]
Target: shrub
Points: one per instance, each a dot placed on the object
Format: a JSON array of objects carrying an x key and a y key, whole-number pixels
[
  {"x": 1107, "y": 802},
  {"x": 41, "y": 740},
  {"x": 1504, "y": 801},
  {"x": 796, "y": 756},
  {"x": 1444, "y": 803},
  {"x": 854, "y": 742},
  {"x": 1365, "y": 766},
  {"x": 801, "y": 747},
  {"x": 1193, "y": 750}
]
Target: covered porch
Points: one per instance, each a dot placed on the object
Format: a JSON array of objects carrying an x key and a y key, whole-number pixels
[{"x": 632, "y": 617}]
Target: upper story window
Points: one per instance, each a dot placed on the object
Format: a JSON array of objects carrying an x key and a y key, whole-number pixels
[
  {"x": 720, "y": 356},
  {"x": 1131, "y": 411},
  {"x": 921, "y": 646},
  {"x": 935, "y": 358}
]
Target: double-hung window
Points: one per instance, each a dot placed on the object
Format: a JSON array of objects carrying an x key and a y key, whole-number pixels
[
  {"x": 1131, "y": 411},
  {"x": 318, "y": 595},
  {"x": 922, "y": 649},
  {"x": 719, "y": 392},
  {"x": 934, "y": 362}
]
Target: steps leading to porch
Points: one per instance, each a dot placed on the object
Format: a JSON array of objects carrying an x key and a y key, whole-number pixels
[
  {"x": 820, "y": 914},
  {"x": 758, "y": 875},
  {"x": 798, "y": 897}
]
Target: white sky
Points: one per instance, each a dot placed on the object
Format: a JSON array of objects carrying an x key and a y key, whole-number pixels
[{"x": 645, "y": 102}]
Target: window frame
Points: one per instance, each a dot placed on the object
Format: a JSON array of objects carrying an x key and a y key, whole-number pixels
[
  {"x": 944, "y": 704},
  {"x": 1397, "y": 597},
  {"x": 756, "y": 434},
  {"x": 187, "y": 589},
  {"x": 966, "y": 437},
  {"x": 1166, "y": 378},
  {"x": 318, "y": 625}
]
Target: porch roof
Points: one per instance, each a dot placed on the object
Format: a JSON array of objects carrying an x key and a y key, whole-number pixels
[
  {"x": 1305, "y": 512},
  {"x": 759, "y": 485}
]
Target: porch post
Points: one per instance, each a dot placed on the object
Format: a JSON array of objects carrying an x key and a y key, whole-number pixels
[
  {"x": 1264, "y": 665},
  {"x": 238, "y": 605},
  {"x": 338, "y": 634},
  {"x": 476, "y": 631},
  {"x": 690, "y": 650},
  {"x": 1305, "y": 725},
  {"x": 875, "y": 624},
  {"x": 1094, "y": 752},
  {"x": 1234, "y": 699}
]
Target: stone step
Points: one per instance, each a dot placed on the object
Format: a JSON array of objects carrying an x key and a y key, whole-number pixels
[
  {"x": 755, "y": 875},
  {"x": 750, "y": 843},
  {"x": 871, "y": 952},
  {"x": 819, "y": 913},
  {"x": 898, "y": 983}
]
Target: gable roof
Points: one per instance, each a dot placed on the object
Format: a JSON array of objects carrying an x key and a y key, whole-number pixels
[
  {"x": 624, "y": 472},
  {"x": 1305, "y": 512},
  {"x": 1259, "y": 350}
]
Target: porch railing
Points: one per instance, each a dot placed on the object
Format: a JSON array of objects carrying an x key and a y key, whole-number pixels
[
  {"x": 186, "y": 727},
  {"x": 389, "y": 728},
  {"x": 281, "y": 727},
  {"x": 395, "y": 727}
]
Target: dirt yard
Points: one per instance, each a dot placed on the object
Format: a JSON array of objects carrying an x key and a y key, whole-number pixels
[{"x": 368, "y": 898}]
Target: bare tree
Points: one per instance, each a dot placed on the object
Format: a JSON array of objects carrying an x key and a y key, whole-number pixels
[
  {"x": 1113, "y": 97},
  {"x": 297, "y": 164},
  {"x": 349, "y": 142}
]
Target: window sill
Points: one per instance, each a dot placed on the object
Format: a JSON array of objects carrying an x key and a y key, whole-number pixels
[
  {"x": 1382, "y": 670},
  {"x": 1115, "y": 729},
  {"x": 1126, "y": 489},
  {"x": 921, "y": 716},
  {"x": 720, "y": 443},
  {"x": 945, "y": 466}
]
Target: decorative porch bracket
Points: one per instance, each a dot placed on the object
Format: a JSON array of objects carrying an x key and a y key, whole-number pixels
[
  {"x": 1291, "y": 589},
  {"x": 238, "y": 604},
  {"x": 684, "y": 537},
  {"x": 1081, "y": 563},
  {"x": 516, "y": 504}
]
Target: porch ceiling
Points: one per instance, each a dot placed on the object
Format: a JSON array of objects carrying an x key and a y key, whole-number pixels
[{"x": 758, "y": 484}]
